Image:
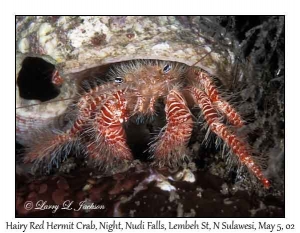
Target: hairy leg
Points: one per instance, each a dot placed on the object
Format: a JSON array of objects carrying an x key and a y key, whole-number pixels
[
  {"x": 238, "y": 147},
  {"x": 219, "y": 103},
  {"x": 48, "y": 146},
  {"x": 171, "y": 143},
  {"x": 109, "y": 139}
]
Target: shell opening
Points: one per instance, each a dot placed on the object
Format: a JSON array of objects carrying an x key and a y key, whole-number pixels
[{"x": 35, "y": 80}]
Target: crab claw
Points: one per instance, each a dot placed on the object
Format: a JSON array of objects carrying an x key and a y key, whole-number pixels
[
  {"x": 110, "y": 140},
  {"x": 170, "y": 147}
]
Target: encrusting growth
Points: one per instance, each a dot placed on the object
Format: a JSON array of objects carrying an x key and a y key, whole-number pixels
[{"x": 134, "y": 89}]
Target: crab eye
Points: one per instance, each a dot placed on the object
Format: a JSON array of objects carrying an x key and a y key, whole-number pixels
[
  {"x": 118, "y": 80},
  {"x": 167, "y": 68}
]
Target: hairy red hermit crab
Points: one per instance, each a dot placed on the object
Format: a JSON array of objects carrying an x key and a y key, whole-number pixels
[{"x": 148, "y": 61}]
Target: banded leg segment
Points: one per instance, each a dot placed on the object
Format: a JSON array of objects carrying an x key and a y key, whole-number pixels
[
  {"x": 110, "y": 139},
  {"x": 55, "y": 144},
  {"x": 87, "y": 105},
  {"x": 238, "y": 147},
  {"x": 171, "y": 145},
  {"x": 211, "y": 91}
]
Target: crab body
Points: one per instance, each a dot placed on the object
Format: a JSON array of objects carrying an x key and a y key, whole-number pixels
[{"x": 133, "y": 90}]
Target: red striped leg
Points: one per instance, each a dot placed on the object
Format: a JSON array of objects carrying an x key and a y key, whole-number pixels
[
  {"x": 171, "y": 145},
  {"x": 52, "y": 145},
  {"x": 110, "y": 138},
  {"x": 238, "y": 147},
  {"x": 87, "y": 105},
  {"x": 210, "y": 89}
]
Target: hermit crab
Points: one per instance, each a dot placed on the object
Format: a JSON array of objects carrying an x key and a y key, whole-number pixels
[{"x": 152, "y": 59}]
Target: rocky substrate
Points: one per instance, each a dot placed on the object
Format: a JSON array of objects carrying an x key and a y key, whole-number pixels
[{"x": 142, "y": 191}]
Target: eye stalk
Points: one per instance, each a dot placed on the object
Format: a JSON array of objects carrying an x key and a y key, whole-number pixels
[
  {"x": 119, "y": 80},
  {"x": 167, "y": 68}
]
